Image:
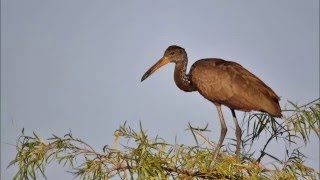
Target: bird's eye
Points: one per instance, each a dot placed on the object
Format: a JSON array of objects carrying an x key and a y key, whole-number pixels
[{"x": 172, "y": 53}]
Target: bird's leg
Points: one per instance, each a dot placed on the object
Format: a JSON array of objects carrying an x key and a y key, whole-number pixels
[
  {"x": 238, "y": 135},
  {"x": 223, "y": 133}
]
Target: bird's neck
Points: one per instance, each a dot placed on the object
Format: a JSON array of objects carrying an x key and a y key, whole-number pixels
[{"x": 181, "y": 78}]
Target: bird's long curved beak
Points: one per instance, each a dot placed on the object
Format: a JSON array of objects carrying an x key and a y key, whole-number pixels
[{"x": 156, "y": 66}]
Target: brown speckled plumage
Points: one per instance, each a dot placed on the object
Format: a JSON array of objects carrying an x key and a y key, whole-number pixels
[{"x": 230, "y": 84}]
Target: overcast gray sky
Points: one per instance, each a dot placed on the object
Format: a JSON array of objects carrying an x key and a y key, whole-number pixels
[{"x": 77, "y": 65}]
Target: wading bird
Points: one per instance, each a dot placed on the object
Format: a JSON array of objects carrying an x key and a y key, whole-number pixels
[{"x": 223, "y": 83}]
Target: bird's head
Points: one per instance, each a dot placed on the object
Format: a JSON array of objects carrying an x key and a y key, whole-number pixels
[{"x": 173, "y": 54}]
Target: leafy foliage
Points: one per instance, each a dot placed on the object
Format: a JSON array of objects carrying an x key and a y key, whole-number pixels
[{"x": 153, "y": 158}]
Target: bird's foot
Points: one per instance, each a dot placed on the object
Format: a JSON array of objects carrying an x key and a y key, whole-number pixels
[{"x": 214, "y": 158}]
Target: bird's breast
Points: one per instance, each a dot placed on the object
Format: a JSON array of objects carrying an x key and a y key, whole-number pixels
[{"x": 211, "y": 80}]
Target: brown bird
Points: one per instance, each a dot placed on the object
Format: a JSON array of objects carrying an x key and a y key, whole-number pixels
[{"x": 223, "y": 83}]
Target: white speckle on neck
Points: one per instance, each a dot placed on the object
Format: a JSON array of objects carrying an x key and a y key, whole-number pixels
[
  {"x": 182, "y": 79},
  {"x": 184, "y": 76}
]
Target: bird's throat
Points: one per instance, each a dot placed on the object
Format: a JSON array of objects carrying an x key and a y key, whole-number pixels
[{"x": 182, "y": 79}]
